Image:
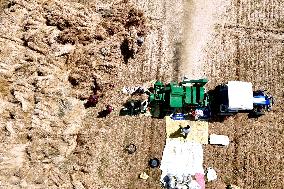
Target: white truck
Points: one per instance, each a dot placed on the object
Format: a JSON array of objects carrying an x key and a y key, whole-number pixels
[{"x": 238, "y": 96}]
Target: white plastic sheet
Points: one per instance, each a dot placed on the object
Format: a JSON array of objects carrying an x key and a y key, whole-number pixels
[
  {"x": 211, "y": 174},
  {"x": 219, "y": 139},
  {"x": 181, "y": 158}
]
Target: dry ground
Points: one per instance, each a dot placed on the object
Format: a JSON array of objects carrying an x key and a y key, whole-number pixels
[
  {"x": 250, "y": 48},
  {"x": 51, "y": 141}
]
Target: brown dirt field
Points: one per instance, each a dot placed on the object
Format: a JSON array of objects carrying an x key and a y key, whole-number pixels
[
  {"x": 53, "y": 52},
  {"x": 249, "y": 49}
]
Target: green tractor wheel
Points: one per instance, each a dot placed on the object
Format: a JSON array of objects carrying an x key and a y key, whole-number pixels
[{"x": 155, "y": 111}]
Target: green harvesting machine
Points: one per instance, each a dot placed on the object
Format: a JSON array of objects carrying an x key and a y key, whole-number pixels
[{"x": 182, "y": 98}]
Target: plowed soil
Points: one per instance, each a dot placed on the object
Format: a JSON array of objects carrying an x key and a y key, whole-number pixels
[{"x": 55, "y": 54}]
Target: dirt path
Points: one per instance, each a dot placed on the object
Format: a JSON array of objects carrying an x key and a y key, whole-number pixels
[{"x": 200, "y": 20}]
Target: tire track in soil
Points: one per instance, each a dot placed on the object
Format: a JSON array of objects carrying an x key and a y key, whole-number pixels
[
  {"x": 153, "y": 139},
  {"x": 256, "y": 64},
  {"x": 237, "y": 58},
  {"x": 230, "y": 62},
  {"x": 153, "y": 144},
  {"x": 272, "y": 70},
  {"x": 237, "y": 63},
  {"x": 160, "y": 39},
  {"x": 269, "y": 71},
  {"x": 151, "y": 58},
  {"x": 244, "y": 65},
  {"x": 280, "y": 75},
  {"x": 273, "y": 67},
  {"x": 176, "y": 62},
  {"x": 265, "y": 71}
]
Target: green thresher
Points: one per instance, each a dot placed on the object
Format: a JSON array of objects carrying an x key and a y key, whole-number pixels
[{"x": 183, "y": 97}]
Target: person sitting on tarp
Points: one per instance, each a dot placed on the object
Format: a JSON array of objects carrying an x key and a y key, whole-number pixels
[{"x": 185, "y": 131}]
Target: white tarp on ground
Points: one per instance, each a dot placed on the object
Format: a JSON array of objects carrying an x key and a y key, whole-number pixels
[
  {"x": 240, "y": 95},
  {"x": 211, "y": 174},
  {"x": 219, "y": 140},
  {"x": 181, "y": 158}
]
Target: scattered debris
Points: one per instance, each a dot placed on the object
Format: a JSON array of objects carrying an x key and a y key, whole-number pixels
[
  {"x": 133, "y": 90},
  {"x": 134, "y": 107},
  {"x": 144, "y": 106},
  {"x": 111, "y": 85},
  {"x": 194, "y": 185},
  {"x": 10, "y": 129},
  {"x": 147, "y": 113},
  {"x": 153, "y": 163},
  {"x": 219, "y": 140},
  {"x": 105, "y": 51},
  {"x": 171, "y": 182},
  {"x": 144, "y": 176},
  {"x": 231, "y": 186},
  {"x": 61, "y": 50},
  {"x": 131, "y": 148},
  {"x": 197, "y": 114},
  {"x": 96, "y": 86},
  {"x": 109, "y": 109},
  {"x": 126, "y": 50},
  {"x": 140, "y": 41},
  {"x": 211, "y": 174},
  {"x": 77, "y": 184},
  {"x": 92, "y": 101},
  {"x": 73, "y": 80},
  {"x": 105, "y": 112}
]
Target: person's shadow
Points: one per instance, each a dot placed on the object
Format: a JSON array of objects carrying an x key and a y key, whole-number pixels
[{"x": 177, "y": 134}]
